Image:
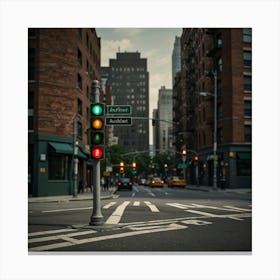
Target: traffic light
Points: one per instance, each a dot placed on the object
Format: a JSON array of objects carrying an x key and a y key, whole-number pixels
[
  {"x": 121, "y": 167},
  {"x": 133, "y": 165},
  {"x": 195, "y": 160},
  {"x": 184, "y": 152},
  {"x": 97, "y": 130}
]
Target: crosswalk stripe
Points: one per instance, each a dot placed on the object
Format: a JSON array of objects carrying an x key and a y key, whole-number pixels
[
  {"x": 116, "y": 216},
  {"x": 151, "y": 206},
  {"x": 109, "y": 205},
  {"x": 136, "y": 203}
]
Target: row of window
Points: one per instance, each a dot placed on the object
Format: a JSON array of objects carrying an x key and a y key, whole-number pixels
[{"x": 129, "y": 69}]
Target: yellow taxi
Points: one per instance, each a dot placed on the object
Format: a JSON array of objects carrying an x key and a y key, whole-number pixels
[
  {"x": 175, "y": 181},
  {"x": 156, "y": 182}
]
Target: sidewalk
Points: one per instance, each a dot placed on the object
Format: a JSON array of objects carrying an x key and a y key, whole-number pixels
[
  {"x": 80, "y": 196},
  {"x": 228, "y": 190}
]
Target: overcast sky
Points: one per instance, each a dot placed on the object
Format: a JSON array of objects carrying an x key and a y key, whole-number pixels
[{"x": 155, "y": 44}]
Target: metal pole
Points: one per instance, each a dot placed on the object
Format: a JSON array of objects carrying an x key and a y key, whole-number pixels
[
  {"x": 215, "y": 133},
  {"x": 75, "y": 154},
  {"x": 96, "y": 217}
]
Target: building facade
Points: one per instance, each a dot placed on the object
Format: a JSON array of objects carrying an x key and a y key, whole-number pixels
[
  {"x": 164, "y": 121},
  {"x": 176, "y": 58},
  {"x": 61, "y": 66},
  {"x": 216, "y": 61},
  {"x": 129, "y": 79}
]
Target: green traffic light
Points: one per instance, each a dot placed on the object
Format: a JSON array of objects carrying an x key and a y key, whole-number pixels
[
  {"x": 97, "y": 109},
  {"x": 97, "y": 138}
]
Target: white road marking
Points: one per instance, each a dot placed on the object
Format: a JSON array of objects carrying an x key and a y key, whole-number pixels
[
  {"x": 151, "y": 206},
  {"x": 237, "y": 208},
  {"x": 108, "y": 237},
  {"x": 62, "y": 236},
  {"x": 116, "y": 216},
  {"x": 136, "y": 203},
  {"x": 107, "y": 206},
  {"x": 50, "y": 232},
  {"x": 64, "y": 210},
  {"x": 202, "y": 213}
]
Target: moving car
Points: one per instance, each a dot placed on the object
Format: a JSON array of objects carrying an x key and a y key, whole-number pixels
[
  {"x": 156, "y": 182},
  {"x": 124, "y": 183},
  {"x": 175, "y": 181}
]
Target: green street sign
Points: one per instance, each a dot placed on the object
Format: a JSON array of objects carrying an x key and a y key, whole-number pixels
[
  {"x": 118, "y": 109},
  {"x": 182, "y": 165}
]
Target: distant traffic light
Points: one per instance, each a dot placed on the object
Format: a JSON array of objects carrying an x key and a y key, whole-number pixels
[
  {"x": 133, "y": 165},
  {"x": 184, "y": 152},
  {"x": 121, "y": 167},
  {"x": 97, "y": 130},
  {"x": 195, "y": 160}
]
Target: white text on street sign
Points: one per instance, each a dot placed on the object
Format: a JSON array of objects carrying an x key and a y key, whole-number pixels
[
  {"x": 118, "y": 109},
  {"x": 118, "y": 121}
]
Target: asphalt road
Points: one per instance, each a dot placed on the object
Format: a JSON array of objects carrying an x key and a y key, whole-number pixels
[{"x": 145, "y": 220}]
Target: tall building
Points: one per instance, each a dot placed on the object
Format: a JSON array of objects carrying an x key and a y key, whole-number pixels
[
  {"x": 216, "y": 61},
  {"x": 130, "y": 86},
  {"x": 164, "y": 122},
  {"x": 61, "y": 66},
  {"x": 176, "y": 58}
]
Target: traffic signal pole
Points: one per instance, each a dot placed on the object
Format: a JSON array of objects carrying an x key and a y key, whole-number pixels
[{"x": 96, "y": 217}]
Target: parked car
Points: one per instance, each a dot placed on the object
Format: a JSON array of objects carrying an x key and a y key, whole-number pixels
[
  {"x": 124, "y": 183},
  {"x": 156, "y": 182},
  {"x": 175, "y": 181}
]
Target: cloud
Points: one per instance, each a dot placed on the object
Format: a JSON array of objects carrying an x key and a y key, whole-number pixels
[{"x": 109, "y": 48}]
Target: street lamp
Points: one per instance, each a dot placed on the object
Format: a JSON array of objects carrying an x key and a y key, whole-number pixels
[{"x": 214, "y": 73}]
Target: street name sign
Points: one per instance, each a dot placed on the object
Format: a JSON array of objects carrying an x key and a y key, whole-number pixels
[
  {"x": 118, "y": 110},
  {"x": 121, "y": 121}
]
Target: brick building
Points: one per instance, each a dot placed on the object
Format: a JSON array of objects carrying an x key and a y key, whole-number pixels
[
  {"x": 61, "y": 66},
  {"x": 226, "y": 54}
]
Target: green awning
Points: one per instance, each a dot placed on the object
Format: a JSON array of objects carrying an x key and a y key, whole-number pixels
[
  {"x": 243, "y": 155},
  {"x": 81, "y": 154},
  {"x": 61, "y": 148}
]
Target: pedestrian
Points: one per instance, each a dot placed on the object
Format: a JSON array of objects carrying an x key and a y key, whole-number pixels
[{"x": 102, "y": 182}]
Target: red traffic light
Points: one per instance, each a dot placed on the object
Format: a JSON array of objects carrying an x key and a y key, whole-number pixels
[
  {"x": 97, "y": 152},
  {"x": 195, "y": 158}
]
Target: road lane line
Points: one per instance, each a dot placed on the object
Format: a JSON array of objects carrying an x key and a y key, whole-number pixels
[
  {"x": 152, "y": 207},
  {"x": 136, "y": 203},
  {"x": 50, "y": 232},
  {"x": 67, "y": 209},
  {"x": 116, "y": 216},
  {"x": 108, "y": 237},
  {"x": 237, "y": 208},
  {"x": 62, "y": 236},
  {"x": 107, "y": 206}
]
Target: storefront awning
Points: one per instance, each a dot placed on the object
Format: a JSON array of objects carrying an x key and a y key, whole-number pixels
[
  {"x": 243, "y": 155},
  {"x": 61, "y": 148}
]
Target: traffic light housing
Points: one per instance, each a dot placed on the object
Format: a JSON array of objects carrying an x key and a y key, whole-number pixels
[
  {"x": 121, "y": 167},
  {"x": 97, "y": 126},
  {"x": 195, "y": 160},
  {"x": 184, "y": 152}
]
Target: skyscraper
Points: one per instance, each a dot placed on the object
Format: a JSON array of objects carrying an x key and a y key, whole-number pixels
[
  {"x": 130, "y": 86},
  {"x": 176, "y": 58}
]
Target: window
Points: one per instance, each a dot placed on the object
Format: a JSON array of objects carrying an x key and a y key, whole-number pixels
[
  {"x": 80, "y": 58},
  {"x": 31, "y": 63},
  {"x": 247, "y": 83},
  {"x": 247, "y": 58},
  {"x": 247, "y": 35},
  {"x": 247, "y": 108},
  {"x": 58, "y": 167},
  {"x": 30, "y": 111},
  {"x": 243, "y": 164},
  {"x": 247, "y": 133},
  {"x": 80, "y": 107},
  {"x": 80, "y": 130},
  {"x": 80, "y": 83}
]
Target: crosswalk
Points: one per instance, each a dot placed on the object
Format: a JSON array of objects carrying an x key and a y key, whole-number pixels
[{"x": 196, "y": 215}]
